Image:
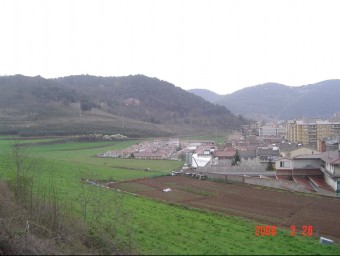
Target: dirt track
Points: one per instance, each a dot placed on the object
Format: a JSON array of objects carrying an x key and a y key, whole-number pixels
[{"x": 269, "y": 206}]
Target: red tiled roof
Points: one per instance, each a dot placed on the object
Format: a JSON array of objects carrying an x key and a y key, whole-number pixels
[
  {"x": 223, "y": 153},
  {"x": 200, "y": 149}
]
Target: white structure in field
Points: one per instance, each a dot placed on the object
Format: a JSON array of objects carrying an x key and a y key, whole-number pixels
[{"x": 200, "y": 161}]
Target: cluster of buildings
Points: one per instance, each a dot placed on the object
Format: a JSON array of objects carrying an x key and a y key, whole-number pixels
[
  {"x": 156, "y": 149},
  {"x": 311, "y": 132},
  {"x": 172, "y": 148},
  {"x": 319, "y": 164},
  {"x": 306, "y": 152},
  {"x": 273, "y": 129},
  {"x": 314, "y": 170}
]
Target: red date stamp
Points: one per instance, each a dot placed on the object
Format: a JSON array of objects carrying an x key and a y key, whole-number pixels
[
  {"x": 271, "y": 230},
  {"x": 306, "y": 230},
  {"x": 265, "y": 231}
]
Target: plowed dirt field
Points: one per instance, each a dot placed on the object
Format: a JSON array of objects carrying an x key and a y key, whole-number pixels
[{"x": 268, "y": 206}]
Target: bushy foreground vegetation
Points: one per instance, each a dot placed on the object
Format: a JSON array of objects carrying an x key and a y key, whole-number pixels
[
  {"x": 49, "y": 220},
  {"x": 55, "y": 211}
]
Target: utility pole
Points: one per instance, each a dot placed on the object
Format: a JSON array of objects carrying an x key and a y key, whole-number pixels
[{"x": 216, "y": 135}]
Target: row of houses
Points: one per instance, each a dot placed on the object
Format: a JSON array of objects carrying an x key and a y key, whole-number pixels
[
  {"x": 324, "y": 167},
  {"x": 293, "y": 161},
  {"x": 157, "y": 149},
  {"x": 264, "y": 154},
  {"x": 217, "y": 156},
  {"x": 253, "y": 147}
]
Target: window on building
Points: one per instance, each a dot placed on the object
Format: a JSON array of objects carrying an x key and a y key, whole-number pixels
[{"x": 284, "y": 164}]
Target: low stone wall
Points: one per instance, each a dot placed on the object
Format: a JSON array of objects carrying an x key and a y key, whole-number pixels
[
  {"x": 214, "y": 175},
  {"x": 274, "y": 183},
  {"x": 326, "y": 192},
  {"x": 221, "y": 176},
  {"x": 234, "y": 178},
  {"x": 267, "y": 182},
  {"x": 223, "y": 169}
]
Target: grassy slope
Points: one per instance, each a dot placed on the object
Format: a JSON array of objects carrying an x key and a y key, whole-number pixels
[{"x": 160, "y": 228}]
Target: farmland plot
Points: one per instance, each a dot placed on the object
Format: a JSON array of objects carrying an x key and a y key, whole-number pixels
[{"x": 274, "y": 207}]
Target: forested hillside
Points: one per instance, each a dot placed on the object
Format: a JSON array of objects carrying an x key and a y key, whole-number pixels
[{"x": 132, "y": 102}]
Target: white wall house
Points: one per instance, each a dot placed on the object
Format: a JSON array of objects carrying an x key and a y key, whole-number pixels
[
  {"x": 330, "y": 166},
  {"x": 284, "y": 163},
  {"x": 284, "y": 166},
  {"x": 307, "y": 161}
]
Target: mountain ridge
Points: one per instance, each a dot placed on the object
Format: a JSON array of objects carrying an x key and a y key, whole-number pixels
[
  {"x": 278, "y": 101},
  {"x": 206, "y": 94}
]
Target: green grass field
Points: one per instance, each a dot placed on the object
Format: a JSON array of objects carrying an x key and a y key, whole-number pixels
[{"x": 155, "y": 227}]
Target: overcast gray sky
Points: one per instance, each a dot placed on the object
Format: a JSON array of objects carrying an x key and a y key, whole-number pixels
[{"x": 222, "y": 45}]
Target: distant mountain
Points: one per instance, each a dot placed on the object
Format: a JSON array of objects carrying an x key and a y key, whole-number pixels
[
  {"x": 278, "y": 101},
  {"x": 206, "y": 94},
  {"x": 131, "y": 105}
]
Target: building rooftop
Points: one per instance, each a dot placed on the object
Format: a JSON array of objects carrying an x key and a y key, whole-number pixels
[
  {"x": 308, "y": 156},
  {"x": 315, "y": 122},
  {"x": 288, "y": 146},
  {"x": 247, "y": 153},
  {"x": 267, "y": 151},
  {"x": 224, "y": 153},
  {"x": 332, "y": 157}
]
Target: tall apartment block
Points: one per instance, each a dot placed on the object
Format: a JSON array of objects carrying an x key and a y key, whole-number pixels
[{"x": 310, "y": 132}]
